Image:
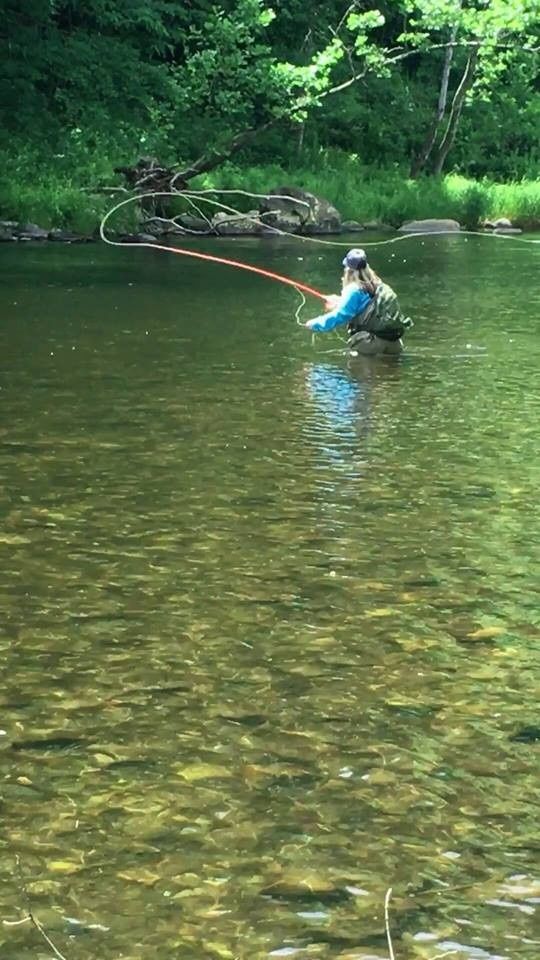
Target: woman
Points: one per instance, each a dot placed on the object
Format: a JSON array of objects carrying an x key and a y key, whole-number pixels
[{"x": 368, "y": 306}]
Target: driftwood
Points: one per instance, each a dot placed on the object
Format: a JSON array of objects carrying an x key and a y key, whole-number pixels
[{"x": 148, "y": 174}]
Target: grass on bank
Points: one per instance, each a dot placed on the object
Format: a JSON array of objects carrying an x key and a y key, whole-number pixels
[
  {"x": 57, "y": 196},
  {"x": 388, "y": 196}
]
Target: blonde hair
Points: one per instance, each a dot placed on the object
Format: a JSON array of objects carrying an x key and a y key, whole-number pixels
[{"x": 366, "y": 279}]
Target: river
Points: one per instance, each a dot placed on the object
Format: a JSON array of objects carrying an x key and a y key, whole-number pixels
[{"x": 270, "y": 619}]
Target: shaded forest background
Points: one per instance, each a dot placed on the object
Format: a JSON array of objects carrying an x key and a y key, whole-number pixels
[{"x": 342, "y": 93}]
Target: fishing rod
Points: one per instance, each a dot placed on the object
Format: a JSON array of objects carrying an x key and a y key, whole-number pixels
[
  {"x": 182, "y": 251},
  {"x": 202, "y": 196}
]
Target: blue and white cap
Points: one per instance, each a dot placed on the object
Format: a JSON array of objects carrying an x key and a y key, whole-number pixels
[{"x": 355, "y": 259}]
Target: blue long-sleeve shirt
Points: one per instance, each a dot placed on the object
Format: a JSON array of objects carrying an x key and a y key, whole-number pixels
[{"x": 352, "y": 302}]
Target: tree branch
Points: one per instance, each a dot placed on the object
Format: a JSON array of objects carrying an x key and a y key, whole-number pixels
[
  {"x": 105, "y": 190},
  {"x": 209, "y": 161},
  {"x": 213, "y": 159},
  {"x": 422, "y": 157},
  {"x": 455, "y": 110},
  {"x": 403, "y": 55}
]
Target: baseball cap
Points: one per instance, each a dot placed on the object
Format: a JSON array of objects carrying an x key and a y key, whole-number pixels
[{"x": 355, "y": 259}]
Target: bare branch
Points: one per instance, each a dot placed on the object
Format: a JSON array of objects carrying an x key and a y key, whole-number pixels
[
  {"x": 349, "y": 10},
  {"x": 105, "y": 190},
  {"x": 424, "y": 153},
  {"x": 455, "y": 111},
  {"x": 398, "y": 57},
  {"x": 213, "y": 159}
]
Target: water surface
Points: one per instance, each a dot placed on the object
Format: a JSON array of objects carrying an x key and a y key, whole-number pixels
[{"x": 270, "y": 620}]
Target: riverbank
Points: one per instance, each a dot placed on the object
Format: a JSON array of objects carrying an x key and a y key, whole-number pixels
[
  {"x": 64, "y": 205},
  {"x": 369, "y": 194}
]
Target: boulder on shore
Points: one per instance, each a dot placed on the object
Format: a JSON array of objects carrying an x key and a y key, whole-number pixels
[
  {"x": 377, "y": 225},
  {"x": 13, "y": 230},
  {"x": 31, "y": 231},
  {"x": 501, "y": 225},
  {"x": 499, "y": 222},
  {"x": 352, "y": 226},
  {"x": 8, "y": 230},
  {"x": 430, "y": 226},
  {"x": 66, "y": 236},
  {"x": 236, "y": 225},
  {"x": 297, "y": 211},
  {"x": 507, "y": 230},
  {"x": 156, "y": 228},
  {"x": 144, "y": 238},
  {"x": 136, "y": 238},
  {"x": 192, "y": 224}
]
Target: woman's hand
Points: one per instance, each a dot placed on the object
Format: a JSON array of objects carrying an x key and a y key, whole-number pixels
[{"x": 331, "y": 301}]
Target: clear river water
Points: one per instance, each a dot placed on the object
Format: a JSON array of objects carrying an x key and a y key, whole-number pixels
[{"x": 270, "y": 618}]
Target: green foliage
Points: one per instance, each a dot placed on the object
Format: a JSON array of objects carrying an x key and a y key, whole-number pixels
[
  {"x": 385, "y": 194},
  {"x": 360, "y": 192},
  {"x": 56, "y": 195},
  {"x": 85, "y": 87},
  {"x": 520, "y": 202}
]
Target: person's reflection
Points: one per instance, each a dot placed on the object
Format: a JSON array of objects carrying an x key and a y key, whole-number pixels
[{"x": 345, "y": 401}]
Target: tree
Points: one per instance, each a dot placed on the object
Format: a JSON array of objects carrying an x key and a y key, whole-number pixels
[
  {"x": 163, "y": 76},
  {"x": 488, "y": 33},
  {"x": 477, "y": 37}
]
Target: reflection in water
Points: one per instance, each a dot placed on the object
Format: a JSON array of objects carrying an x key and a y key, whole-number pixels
[
  {"x": 347, "y": 402},
  {"x": 335, "y": 391},
  {"x": 269, "y": 626},
  {"x": 341, "y": 402}
]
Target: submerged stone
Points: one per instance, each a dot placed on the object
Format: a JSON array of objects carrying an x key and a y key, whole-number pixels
[
  {"x": 526, "y": 735},
  {"x": 204, "y": 771}
]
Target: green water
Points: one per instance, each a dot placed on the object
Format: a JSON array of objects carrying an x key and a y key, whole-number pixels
[{"x": 270, "y": 622}]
